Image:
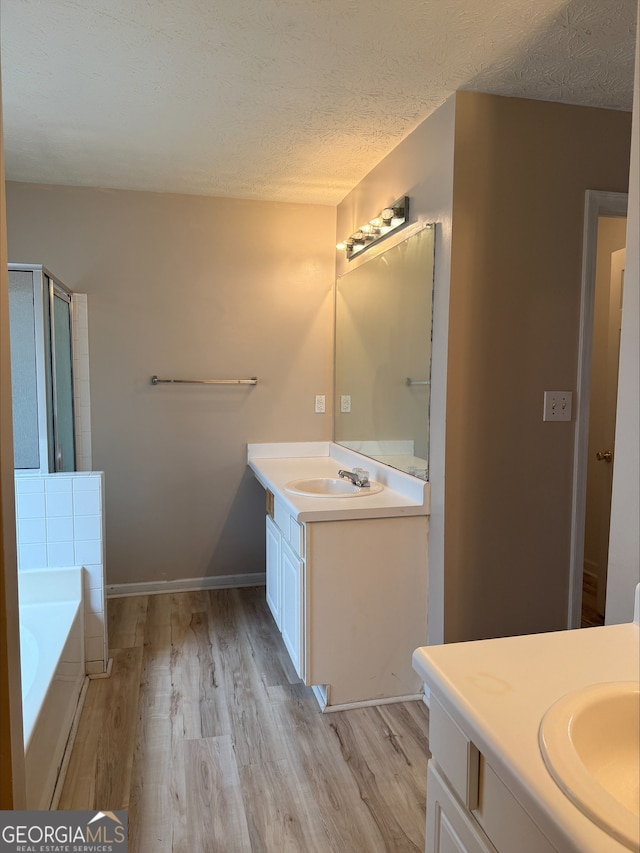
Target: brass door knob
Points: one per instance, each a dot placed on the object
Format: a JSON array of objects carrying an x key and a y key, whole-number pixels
[{"x": 604, "y": 455}]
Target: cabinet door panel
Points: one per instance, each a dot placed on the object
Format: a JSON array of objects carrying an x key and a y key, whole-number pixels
[
  {"x": 457, "y": 756},
  {"x": 449, "y": 828},
  {"x": 504, "y": 820},
  {"x": 274, "y": 591},
  {"x": 292, "y": 603}
]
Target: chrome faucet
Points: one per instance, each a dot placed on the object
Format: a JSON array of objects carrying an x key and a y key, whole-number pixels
[{"x": 359, "y": 477}]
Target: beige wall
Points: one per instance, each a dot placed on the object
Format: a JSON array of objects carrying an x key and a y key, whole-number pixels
[
  {"x": 521, "y": 171},
  {"x": 184, "y": 286}
]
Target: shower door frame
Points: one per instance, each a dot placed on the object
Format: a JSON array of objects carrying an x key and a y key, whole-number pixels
[
  {"x": 56, "y": 289},
  {"x": 45, "y": 286}
]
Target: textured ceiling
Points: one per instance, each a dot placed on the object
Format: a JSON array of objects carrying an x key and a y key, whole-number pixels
[{"x": 287, "y": 100}]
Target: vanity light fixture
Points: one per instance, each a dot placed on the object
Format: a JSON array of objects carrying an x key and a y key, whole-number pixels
[{"x": 389, "y": 220}]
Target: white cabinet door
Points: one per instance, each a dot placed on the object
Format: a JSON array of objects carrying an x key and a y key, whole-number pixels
[
  {"x": 292, "y": 605},
  {"x": 450, "y": 829},
  {"x": 274, "y": 581}
]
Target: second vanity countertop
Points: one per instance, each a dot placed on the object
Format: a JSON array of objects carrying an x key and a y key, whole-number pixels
[
  {"x": 497, "y": 691},
  {"x": 275, "y": 465}
]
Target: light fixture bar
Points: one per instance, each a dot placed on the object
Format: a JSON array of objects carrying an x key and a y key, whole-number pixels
[{"x": 388, "y": 221}]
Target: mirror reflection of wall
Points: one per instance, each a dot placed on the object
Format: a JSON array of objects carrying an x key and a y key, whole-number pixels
[{"x": 383, "y": 339}]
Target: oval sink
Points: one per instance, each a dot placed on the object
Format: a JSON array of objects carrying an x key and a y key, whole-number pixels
[
  {"x": 330, "y": 487},
  {"x": 590, "y": 743}
]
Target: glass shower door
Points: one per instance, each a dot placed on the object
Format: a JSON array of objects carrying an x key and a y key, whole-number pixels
[
  {"x": 62, "y": 380},
  {"x": 24, "y": 370}
]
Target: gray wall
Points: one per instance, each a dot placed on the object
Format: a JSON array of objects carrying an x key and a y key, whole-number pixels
[{"x": 184, "y": 286}]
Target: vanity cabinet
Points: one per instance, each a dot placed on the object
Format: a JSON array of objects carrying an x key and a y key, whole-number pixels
[
  {"x": 450, "y": 827},
  {"x": 350, "y": 600},
  {"x": 491, "y": 786},
  {"x": 274, "y": 570},
  {"x": 292, "y": 605},
  {"x": 285, "y": 577},
  {"x": 469, "y": 809}
]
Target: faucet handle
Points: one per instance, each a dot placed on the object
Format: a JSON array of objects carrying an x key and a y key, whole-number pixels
[{"x": 362, "y": 474}]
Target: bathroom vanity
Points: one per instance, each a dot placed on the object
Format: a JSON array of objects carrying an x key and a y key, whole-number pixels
[
  {"x": 346, "y": 574},
  {"x": 489, "y": 784}
]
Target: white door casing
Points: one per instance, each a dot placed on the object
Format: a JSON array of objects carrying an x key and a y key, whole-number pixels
[{"x": 597, "y": 203}]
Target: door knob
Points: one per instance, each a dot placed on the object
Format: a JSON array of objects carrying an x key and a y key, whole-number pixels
[{"x": 604, "y": 455}]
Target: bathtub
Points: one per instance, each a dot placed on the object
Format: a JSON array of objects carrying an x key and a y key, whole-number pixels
[{"x": 53, "y": 673}]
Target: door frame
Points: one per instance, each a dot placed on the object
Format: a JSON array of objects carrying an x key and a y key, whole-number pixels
[
  {"x": 59, "y": 291},
  {"x": 597, "y": 203}
]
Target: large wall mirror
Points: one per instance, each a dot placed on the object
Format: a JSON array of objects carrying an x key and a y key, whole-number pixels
[{"x": 383, "y": 355}]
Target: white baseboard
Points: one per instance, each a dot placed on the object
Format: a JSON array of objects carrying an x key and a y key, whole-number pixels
[
  {"x": 369, "y": 703},
  {"x": 320, "y": 692},
  {"x": 106, "y": 673},
  {"x": 120, "y": 590}
]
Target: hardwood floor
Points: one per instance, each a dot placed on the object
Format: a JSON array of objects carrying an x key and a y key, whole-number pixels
[
  {"x": 206, "y": 735},
  {"x": 591, "y": 616}
]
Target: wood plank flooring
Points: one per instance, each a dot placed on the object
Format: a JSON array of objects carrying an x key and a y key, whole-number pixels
[{"x": 206, "y": 735}]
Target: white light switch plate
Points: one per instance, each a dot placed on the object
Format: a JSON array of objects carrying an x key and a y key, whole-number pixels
[{"x": 557, "y": 406}]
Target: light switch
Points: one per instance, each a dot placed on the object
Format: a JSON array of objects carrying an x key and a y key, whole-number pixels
[{"x": 557, "y": 406}]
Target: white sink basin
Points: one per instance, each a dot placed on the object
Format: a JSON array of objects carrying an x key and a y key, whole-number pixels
[
  {"x": 590, "y": 743},
  {"x": 331, "y": 487}
]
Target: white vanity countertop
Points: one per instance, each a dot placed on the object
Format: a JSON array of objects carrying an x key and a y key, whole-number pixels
[
  {"x": 498, "y": 690},
  {"x": 274, "y": 465}
]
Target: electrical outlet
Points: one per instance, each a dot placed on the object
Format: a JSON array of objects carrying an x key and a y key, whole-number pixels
[
  {"x": 345, "y": 403},
  {"x": 320, "y": 404},
  {"x": 557, "y": 406}
]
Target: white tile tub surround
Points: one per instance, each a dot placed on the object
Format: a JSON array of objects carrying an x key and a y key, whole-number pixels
[
  {"x": 81, "y": 386},
  {"x": 60, "y": 523}
]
